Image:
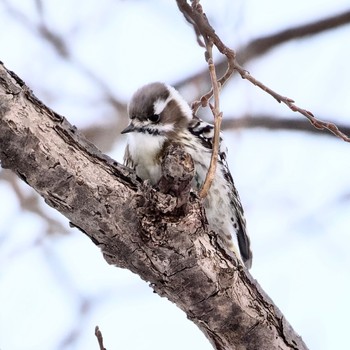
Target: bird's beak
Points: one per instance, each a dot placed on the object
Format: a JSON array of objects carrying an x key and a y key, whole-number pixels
[{"x": 129, "y": 128}]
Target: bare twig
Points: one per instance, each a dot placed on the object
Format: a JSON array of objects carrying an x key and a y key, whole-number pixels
[
  {"x": 195, "y": 12},
  {"x": 262, "y": 45},
  {"x": 318, "y": 124},
  {"x": 274, "y": 123},
  {"x": 202, "y": 26},
  {"x": 197, "y": 17},
  {"x": 99, "y": 337},
  {"x": 217, "y": 124}
]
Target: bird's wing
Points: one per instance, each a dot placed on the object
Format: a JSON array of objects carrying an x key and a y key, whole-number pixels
[{"x": 205, "y": 132}]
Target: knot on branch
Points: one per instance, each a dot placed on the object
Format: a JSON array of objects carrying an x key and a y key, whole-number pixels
[
  {"x": 177, "y": 175},
  {"x": 162, "y": 206}
]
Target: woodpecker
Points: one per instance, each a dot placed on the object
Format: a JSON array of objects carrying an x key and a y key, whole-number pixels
[{"x": 159, "y": 115}]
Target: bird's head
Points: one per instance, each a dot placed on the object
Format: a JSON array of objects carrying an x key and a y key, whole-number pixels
[{"x": 157, "y": 109}]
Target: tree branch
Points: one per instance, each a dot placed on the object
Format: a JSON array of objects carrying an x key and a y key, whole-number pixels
[
  {"x": 202, "y": 26},
  {"x": 217, "y": 127},
  {"x": 290, "y": 103},
  {"x": 275, "y": 123},
  {"x": 134, "y": 226},
  {"x": 215, "y": 91},
  {"x": 99, "y": 337},
  {"x": 260, "y": 46}
]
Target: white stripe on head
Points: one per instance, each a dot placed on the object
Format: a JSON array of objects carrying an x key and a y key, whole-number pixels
[
  {"x": 185, "y": 108},
  {"x": 160, "y": 104}
]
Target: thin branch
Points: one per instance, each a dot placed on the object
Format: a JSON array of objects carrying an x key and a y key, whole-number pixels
[
  {"x": 260, "y": 46},
  {"x": 274, "y": 123},
  {"x": 99, "y": 337},
  {"x": 202, "y": 26},
  {"x": 199, "y": 18},
  {"x": 217, "y": 124},
  {"x": 317, "y": 123}
]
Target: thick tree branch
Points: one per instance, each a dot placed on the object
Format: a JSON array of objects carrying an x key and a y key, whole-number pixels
[{"x": 135, "y": 227}]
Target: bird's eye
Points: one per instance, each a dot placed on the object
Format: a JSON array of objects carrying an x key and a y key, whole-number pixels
[{"x": 154, "y": 118}]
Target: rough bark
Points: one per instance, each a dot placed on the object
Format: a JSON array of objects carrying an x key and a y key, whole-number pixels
[{"x": 162, "y": 238}]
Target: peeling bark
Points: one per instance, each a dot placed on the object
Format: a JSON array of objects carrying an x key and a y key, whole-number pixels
[{"x": 161, "y": 236}]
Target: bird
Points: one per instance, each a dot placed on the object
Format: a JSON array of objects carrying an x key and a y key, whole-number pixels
[{"x": 159, "y": 116}]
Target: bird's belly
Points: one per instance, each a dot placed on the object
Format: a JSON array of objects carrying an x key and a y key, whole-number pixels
[
  {"x": 149, "y": 171},
  {"x": 144, "y": 150}
]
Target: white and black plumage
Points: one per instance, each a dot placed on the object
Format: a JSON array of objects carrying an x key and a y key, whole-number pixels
[{"x": 158, "y": 116}]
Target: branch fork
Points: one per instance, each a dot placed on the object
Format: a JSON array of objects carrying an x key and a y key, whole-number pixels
[{"x": 196, "y": 17}]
